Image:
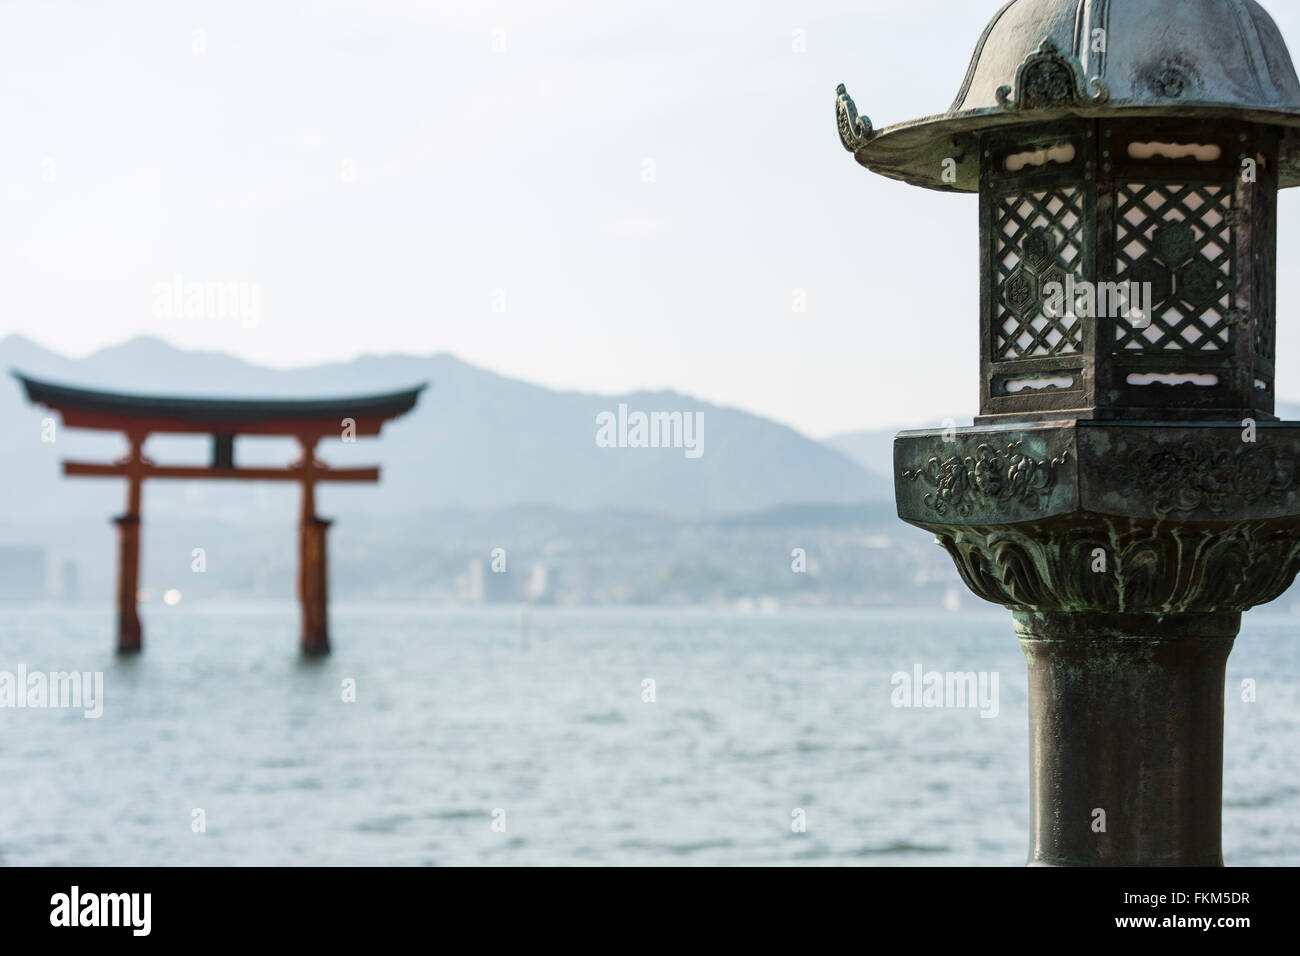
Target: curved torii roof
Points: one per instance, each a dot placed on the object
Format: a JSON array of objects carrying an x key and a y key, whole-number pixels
[{"x": 121, "y": 411}]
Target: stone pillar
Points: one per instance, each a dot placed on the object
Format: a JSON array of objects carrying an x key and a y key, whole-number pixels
[{"x": 1126, "y": 737}]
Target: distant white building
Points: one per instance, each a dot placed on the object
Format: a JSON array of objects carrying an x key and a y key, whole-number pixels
[
  {"x": 471, "y": 586},
  {"x": 538, "y": 581}
]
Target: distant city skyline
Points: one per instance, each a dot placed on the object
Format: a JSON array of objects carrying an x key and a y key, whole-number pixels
[{"x": 594, "y": 198}]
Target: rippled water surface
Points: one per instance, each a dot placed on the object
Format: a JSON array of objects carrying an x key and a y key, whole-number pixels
[{"x": 540, "y": 714}]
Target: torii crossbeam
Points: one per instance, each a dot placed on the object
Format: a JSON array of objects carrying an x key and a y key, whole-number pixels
[{"x": 307, "y": 420}]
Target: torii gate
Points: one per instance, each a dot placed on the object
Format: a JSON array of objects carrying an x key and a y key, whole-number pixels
[{"x": 307, "y": 420}]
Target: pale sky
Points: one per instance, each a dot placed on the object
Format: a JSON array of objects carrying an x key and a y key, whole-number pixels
[{"x": 379, "y": 168}]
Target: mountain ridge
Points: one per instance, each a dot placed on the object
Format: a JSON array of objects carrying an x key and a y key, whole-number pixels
[{"x": 476, "y": 440}]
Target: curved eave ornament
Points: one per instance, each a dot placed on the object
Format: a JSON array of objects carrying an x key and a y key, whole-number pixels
[
  {"x": 855, "y": 130},
  {"x": 1049, "y": 79}
]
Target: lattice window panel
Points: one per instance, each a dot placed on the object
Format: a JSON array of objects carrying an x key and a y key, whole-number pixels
[
  {"x": 1178, "y": 237},
  {"x": 1039, "y": 240}
]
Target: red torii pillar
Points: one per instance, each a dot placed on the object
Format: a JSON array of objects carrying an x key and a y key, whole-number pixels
[
  {"x": 130, "y": 635},
  {"x": 313, "y": 560}
]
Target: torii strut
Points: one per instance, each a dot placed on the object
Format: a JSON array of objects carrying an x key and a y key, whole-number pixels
[{"x": 307, "y": 420}]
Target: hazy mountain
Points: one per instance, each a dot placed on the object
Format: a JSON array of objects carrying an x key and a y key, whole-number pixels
[
  {"x": 475, "y": 440},
  {"x": 873, "y": 448}
]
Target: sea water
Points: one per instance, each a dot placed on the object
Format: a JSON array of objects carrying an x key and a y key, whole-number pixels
[{"x": 537, "y": 736}]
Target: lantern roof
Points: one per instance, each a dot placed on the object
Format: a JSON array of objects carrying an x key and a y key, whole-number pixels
[{"x": 1045, "y": 60}]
